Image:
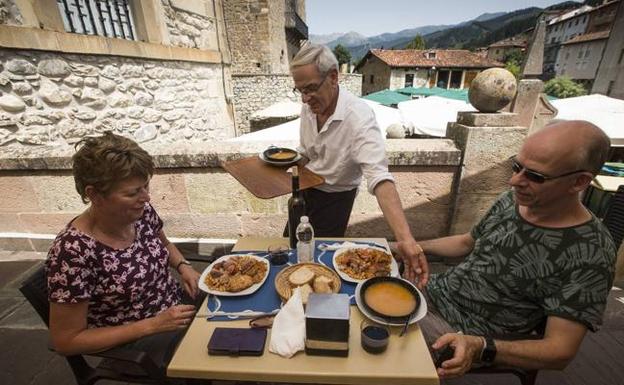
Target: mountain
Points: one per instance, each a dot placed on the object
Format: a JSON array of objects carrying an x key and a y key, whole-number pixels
[{"x": 478, "y": 32}]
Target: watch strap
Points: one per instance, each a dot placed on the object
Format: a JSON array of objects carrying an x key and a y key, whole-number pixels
[
  {"x": 489, "y": 351},
  {"x": 182, "y": 262}
]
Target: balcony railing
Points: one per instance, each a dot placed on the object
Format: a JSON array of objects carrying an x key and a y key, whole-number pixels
[{"x": 295, "y": 24}]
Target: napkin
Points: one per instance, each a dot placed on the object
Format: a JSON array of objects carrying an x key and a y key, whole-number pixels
[
  {"x": 288, "y": 332},
  {"x": 335, "y": 246}
]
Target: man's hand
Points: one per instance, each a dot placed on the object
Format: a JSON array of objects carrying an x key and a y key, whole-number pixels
[
  {"x": 467, "y": 350},
  {"x": 415, "y": 262},
  {"x": 190, "y": 279}
]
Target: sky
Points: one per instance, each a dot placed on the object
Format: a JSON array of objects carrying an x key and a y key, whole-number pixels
[{"x": 374, "y": 17}]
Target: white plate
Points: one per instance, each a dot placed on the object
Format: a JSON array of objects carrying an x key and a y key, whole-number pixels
[
  {"x": 274, "y": 163},
  {"x": 394, "y": 267},
  {"x": 247, "y": 291},
  {"x": 420, "y": 314}
]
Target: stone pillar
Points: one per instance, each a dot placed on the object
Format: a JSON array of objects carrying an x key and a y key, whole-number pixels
[{"x": 486, "y": 141}]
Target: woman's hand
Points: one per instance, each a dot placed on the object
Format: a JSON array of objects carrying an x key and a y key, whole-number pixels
[
  {"x": 176, "y": 317},
  {"x": 190, "y": 279}
]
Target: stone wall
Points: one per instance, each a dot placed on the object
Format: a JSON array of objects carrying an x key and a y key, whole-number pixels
[
  {"x": 191, "y": 27},
  {"x": 198, "y": 199},
  {"x": 247, "y": 30},
  {"x": 255, "y": 92},
  {"x": 380, "y": 72},
  {"x": 9, "y": 13},
  {"x": 50, "y": 98}
]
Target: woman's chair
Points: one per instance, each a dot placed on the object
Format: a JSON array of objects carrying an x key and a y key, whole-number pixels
[
  {"x": 140, "y": 367},
  {"x": 614, "y": 217}
]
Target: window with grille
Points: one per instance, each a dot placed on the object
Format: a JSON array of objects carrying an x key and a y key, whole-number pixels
[{"x": 110, "y": 18}]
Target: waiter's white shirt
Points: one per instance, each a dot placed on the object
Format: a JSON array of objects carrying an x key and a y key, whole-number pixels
[{"x": 348, "y": 145}]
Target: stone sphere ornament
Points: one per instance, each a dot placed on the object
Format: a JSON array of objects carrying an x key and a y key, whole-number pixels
[{"x": 492, "y": 89}]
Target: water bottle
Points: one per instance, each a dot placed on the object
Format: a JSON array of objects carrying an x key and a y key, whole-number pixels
[{"x": 305, "y": 241}]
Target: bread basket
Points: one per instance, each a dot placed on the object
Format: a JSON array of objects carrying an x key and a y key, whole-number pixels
[{"x": 284, "y": 288}]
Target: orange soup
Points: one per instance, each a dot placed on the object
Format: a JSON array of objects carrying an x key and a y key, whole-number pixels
[
  {"x": 390, "y": 299},
  {"x": 282, "y": 155}
]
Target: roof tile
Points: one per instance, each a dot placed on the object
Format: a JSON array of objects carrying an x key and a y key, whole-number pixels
[{"x": 443, "y": 58}]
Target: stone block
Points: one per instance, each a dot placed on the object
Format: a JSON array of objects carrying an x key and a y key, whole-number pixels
[
  {"x": 264, "y": 225},
  {"x": 215, "y": 192},
  {"x": 168, "y": 192},
  {"x": 480, "y": 119},
  {"x": 492, "y": 180},
  {"x": 57, "y": 193},
  {"x": 469, "y": 209},
  {"x": 45, "y": 223},
  {"x": 17, "y": 194},
  {"x": 15, "y": 244},
  {"x": 202, "y": 226},
  {"x": 41, "y": 245},
  {"x": 10, "y": 223}
]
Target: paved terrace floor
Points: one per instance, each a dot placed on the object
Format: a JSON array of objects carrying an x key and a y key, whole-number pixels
[{"x": 25, "y": 359}]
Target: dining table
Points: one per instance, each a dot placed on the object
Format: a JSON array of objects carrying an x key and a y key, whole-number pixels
[{"x": 405, "y": 361}]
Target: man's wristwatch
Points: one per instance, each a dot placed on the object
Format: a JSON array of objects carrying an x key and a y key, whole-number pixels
[
  {"x": 488, "y": 354},
  {"x": 182, "y": 262}
]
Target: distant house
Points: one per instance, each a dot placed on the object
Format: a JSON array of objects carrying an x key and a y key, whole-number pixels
[
  {"x": 501, "y": 49},
  {"x": 610, "y": 78},
  {"x": 580, "y": 57},
  {"x": 391, "y": 69}
]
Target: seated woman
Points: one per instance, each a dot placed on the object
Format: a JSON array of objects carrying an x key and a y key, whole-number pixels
[{"x": 109, "y": 281}]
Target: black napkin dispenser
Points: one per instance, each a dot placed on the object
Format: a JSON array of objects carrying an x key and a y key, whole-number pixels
[
  {"x": 327, "y": 325},
  {"x": 237, "y": 342}
]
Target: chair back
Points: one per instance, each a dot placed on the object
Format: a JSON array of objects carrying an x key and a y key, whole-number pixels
[
  {"x": 35, "y": 290},
  {"x": 614, "y": 217}
]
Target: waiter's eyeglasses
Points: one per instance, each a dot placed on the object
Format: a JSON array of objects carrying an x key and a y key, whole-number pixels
[
  {"x": 533, "y": 175},
  {"x": 312, "y": 88}
]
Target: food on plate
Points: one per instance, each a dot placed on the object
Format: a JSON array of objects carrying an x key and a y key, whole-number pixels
[
  {"x": 235, "y": 274},
  {"x": 390, "y": 299},
  {"x": 322, "y": 285},
  {"x": 282, "y": 155},
  {"x": 301, "y": 276},
  {"x": 306, "y": 290},
  {"x": 309, "y": 277},
  {"x": 364, "y": 263}
]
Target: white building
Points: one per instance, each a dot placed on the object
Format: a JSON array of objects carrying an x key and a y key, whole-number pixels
[{"x": 559, "y": 30}]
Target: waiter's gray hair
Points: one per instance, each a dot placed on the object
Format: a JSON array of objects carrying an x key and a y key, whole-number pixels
[{"x": 316, "y": 54}]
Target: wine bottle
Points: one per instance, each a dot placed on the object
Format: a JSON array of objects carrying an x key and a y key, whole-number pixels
[{"x": 296, "y": 208}]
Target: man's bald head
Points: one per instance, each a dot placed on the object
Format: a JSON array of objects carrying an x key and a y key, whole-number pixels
[{"x": 580, "y": 143}]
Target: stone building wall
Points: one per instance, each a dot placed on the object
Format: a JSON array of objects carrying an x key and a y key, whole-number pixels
[
  {"x": 247, "y": 32},
  {"x": 255, "y": 92},
  {"x": 190, "y": 29},
  {"x": 9, "y": 13},
  {"x": 52, "y": 98},
  {"x": 277, "y": 44}
]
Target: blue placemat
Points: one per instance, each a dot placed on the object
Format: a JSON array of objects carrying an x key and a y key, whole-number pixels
[{"x": 266, "y": 299}]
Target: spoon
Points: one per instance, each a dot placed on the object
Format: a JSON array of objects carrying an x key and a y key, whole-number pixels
[{"x": 407, "y": 320}]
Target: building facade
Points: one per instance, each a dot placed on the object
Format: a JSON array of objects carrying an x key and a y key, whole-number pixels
[
  {"x": 500, "y": 50},
  {"x": 155, "y": 70},
  {"x": 393, "y": 69},
  {"x": 610, "y": 78},
  {"x": 580, "y": 57},
  {"x": 559, "y": 30}
]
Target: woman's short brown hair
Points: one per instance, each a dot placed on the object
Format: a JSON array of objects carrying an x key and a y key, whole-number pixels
[{"x": 105, "y": 160}]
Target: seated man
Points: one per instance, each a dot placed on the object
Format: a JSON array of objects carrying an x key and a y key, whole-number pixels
[{"x": 537, "y": 257}]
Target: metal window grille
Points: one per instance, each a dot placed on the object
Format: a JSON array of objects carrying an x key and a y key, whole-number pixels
[{"x": 110, "y": 18}]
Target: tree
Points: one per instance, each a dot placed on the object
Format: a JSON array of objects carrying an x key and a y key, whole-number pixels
[
  {"x": 513, "y": 62},
  {"x": 417, "y": 43},
  {"x": 342, "y": 54},
  {"x": 563, "y": 87}
]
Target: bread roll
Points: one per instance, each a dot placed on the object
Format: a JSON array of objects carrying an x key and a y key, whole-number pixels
[
  {"x": 301, "y": 276},
  {"x": 322, "y": 285}
]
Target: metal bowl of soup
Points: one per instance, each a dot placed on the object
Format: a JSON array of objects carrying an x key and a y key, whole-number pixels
[
  {"x": 280, "y": 154},
  {"x": 390, "y": 298}
]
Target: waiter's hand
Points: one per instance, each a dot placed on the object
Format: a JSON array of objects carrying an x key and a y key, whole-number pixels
[{"x": 415, "y": 262}]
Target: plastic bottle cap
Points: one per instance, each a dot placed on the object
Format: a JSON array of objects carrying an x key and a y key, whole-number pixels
[{"x": 304, "y": 219}]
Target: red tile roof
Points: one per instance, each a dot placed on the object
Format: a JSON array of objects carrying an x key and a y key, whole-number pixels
[
  {"x": 588, "y": 37},
  {"x": 443, "y": 58},
  {"x": 511, "y": 42}
]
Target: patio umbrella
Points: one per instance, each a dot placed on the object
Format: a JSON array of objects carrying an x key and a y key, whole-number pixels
[
  {"x": 603, "y": 111},
  {"x": 430, "y": 116},
  {"x": 387, "y": 97}
]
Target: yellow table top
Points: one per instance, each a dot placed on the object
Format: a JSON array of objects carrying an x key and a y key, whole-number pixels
[
  {"x": 607, "y": 182},
  {"x": 406, "y": 361}
]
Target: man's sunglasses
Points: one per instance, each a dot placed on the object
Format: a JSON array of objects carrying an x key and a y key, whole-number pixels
[{"x": 535, "y": 176}]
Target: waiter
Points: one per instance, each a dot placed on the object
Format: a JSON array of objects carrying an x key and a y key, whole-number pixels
[{"x": 341, "y": 141}]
